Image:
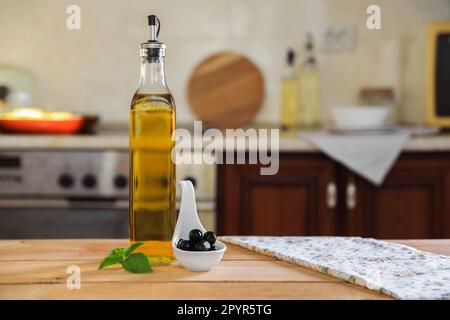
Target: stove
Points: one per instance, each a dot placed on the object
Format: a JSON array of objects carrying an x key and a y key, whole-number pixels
[
  {"x": 64, "y": 173},
  {"x": 77, "y": 186}
]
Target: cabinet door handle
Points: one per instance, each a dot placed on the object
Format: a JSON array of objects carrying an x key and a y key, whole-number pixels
[
  {"x": 331, "y": 195},
  {"x": 351, "y": 196}
]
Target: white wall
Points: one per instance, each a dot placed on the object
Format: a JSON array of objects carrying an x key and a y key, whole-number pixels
[{"x": 97, "y": 68}]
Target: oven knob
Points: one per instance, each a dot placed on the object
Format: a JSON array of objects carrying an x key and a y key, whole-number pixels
[
  {"x": 120, "y": 181},
  {"x": 66, "y": 180},
  {"x": 89, "y": 181}
]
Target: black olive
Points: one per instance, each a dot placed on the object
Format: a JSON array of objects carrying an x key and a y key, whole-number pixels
[
  {"x": 186, "y": 245},
  {"x": 195, "y": 235},
  {"x": 210, "y": 237},
  {"x": 202, "y": 246}
]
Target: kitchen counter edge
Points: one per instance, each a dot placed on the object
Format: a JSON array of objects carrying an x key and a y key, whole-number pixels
[{"x": 435, "y": 143}]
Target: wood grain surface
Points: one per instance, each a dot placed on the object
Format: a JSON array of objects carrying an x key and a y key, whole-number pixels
[
  {"x": 36, "y": 269},
  {"x": 226, "y": 90}
]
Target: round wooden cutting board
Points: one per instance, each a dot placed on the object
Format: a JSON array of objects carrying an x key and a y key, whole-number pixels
[{"x": 226, "y": 90}]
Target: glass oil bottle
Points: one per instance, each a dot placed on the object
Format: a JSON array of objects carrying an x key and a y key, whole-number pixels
[
  {"x": 309, "y": 88},
  {"x": 289, "y": 94},
  {"x": 152, "y": 172}
]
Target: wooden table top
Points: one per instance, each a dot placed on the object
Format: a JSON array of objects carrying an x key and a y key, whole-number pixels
[{"x": 36, "y": 269}]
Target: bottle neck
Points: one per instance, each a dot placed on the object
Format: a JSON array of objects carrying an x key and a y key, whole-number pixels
[{"x": 153, "y": 78}]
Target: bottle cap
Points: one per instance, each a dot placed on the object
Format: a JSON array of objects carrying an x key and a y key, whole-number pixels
[
  {"x": 309, "y": 45},
  {"x": 153, "y": 48},
  {"x": 290, "y": 58}
]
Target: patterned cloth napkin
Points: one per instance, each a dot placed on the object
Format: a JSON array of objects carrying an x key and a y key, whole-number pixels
[{"x": 393, "y": 269}]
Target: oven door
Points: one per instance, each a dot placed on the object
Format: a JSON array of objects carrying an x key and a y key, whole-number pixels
[{"x": 63, "y": 219}]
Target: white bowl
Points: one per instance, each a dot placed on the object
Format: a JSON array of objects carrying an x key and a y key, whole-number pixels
[
  {"x": 360, "y": 116},
  {"x": 188, "y": 220},
  {"x": 200, "y": 260}
]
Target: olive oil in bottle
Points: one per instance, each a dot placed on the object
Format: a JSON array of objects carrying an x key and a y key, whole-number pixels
[{"x": 152, "y": 172}]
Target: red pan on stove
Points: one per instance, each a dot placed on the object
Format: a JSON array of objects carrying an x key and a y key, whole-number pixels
[{"x": 44, "y": 126}]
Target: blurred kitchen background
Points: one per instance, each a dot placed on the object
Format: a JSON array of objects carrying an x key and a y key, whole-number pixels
[
  {"x": 95, "y": 71},
  {"x": 79, "y": 70}
]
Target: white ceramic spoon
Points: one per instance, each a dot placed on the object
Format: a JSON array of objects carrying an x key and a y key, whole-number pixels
[{"x": 188, "y": 220}]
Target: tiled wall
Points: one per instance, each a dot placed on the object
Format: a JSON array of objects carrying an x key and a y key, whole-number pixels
[{"x": 96, "y": 69}]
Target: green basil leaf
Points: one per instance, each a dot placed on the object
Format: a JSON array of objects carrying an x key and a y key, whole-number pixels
[
  {"x": 137, "y": 263},
  {"x": 132, "y": 248},
  {"x": 118, "y": 252},
  {"x": 110, "y": 260}
]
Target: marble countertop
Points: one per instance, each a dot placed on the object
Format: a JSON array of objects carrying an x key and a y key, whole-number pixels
[{"x": 119, "y": 141}]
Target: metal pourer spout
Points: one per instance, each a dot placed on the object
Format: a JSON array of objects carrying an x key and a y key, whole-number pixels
[
  {"x": 152, "y": 50},
  {"x": 154, "y": 25}
]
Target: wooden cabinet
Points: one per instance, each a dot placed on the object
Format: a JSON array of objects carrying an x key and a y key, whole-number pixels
[
  {"x": 313, "y": 195},
  {"x": 291, "y": 202},
  {"x": 413, "y": 202}
]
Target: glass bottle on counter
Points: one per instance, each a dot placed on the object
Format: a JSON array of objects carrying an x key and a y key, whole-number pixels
[
  {"x": 309, "y": 87},
  {"x": 289, "y": 94},
  {"x": 152, "y": 173}
]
